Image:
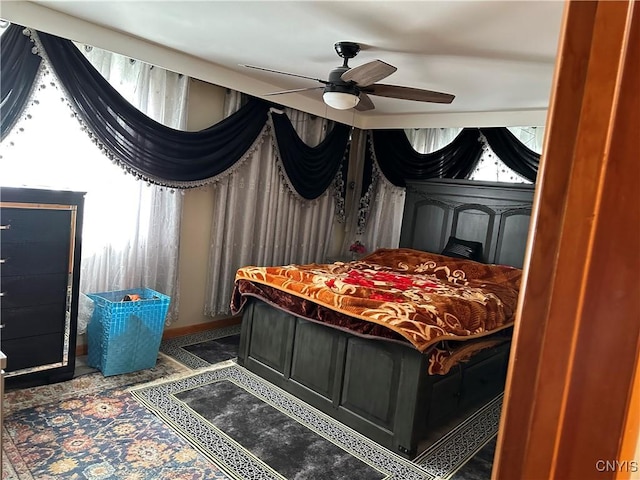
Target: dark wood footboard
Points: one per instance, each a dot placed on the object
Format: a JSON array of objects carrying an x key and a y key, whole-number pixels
[{"x": 379, "y": 388}]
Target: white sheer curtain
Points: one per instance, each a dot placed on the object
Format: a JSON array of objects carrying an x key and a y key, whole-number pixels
[
  {"x": 351, "y": 232},
  {"x": 384, "y": 219},
  {"x": 257, "y": 220},
  {"x": 428, "y": 140},
  {"x": 131, "y": 230},
  {"x": 531, "y": 137},
  {"x": 491, "y": 169}
]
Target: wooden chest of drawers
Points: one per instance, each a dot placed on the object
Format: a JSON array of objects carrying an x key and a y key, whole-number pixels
[{"x": 40, "y": 242}]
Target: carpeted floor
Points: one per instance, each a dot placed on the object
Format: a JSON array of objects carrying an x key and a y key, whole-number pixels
[{"x": 197, "y": 418}]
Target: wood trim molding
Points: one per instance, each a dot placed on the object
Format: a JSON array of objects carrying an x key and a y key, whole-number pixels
[
  {"x": 201, "y": 327},
  {"x": 189, "y": 329},
  {"x": 575, "y": 351}
]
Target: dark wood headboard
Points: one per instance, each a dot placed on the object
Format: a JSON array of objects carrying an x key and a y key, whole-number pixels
[{"x": 496, "y": 214}]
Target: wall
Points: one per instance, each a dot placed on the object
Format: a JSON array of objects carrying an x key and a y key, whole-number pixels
[{"x": 205, "y": 108}]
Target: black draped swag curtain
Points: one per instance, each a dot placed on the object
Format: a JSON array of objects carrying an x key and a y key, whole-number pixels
[
  {"x": 18, "y": 70},
  {"x": 512, "y": 152},
  {"x": 157, "y": 153},
  {"x": 182, "y": 159},
  {"x": 321, "y": 163},
  {"x": 399, "y": 161},
  {"x": 150, "y": 150}
]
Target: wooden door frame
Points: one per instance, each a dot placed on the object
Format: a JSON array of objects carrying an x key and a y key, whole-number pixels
[{"x": 568, "y": 400}]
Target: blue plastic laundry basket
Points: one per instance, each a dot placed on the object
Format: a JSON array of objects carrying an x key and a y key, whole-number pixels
[{"x": 124, "y": 336}]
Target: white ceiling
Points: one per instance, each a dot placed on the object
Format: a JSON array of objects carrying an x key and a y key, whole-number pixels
[{"x": 496, "y": 57}]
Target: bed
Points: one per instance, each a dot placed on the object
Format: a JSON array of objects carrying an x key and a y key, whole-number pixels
[{"x": 384, "y": 344}]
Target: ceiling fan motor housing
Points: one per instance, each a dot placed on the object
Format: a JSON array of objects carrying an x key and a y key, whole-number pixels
[
  {"x": 335, "y": 76},
  {"x": 350, "y": 89},
  {"x": 336, "y": 84}
]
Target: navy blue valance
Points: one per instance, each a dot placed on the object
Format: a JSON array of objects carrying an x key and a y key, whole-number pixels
[
  {"x": 18, "y": 71},
  {"x": 399, "y": 161},
  {"x": 183, "y": 159},
  {"x": 513, "y": 152},
  {"x": 150, "y": 150},
  {"x": 310, "y": 169},
  {"x": 153, "y": 151}
]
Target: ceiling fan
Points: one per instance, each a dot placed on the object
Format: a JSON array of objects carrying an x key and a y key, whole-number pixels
[{"x": 349, "y": 87}]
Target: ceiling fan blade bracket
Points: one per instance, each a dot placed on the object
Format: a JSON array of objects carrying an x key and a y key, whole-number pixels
[{"x": 351, "y": 89}]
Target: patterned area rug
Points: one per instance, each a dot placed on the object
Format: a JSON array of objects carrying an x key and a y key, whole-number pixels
[
  {"x": 284, "y": 451},
  {"x": 448, "y": 457},
  {"x": 464, "y": 453},
  {"x": 91, "y": 428}
]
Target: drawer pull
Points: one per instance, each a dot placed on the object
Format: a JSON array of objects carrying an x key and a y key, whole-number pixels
[
  {"x": 2, "y": 294},
  {"x": 5, "y": 227},
  {"x": 3, "y": 260}
]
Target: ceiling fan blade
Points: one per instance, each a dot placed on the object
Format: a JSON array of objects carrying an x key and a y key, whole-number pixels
[
  {"x": 292, "y": 91},
  {"x": 368, "y": 73},
  {"x": 285, "y": 73},
  {"x": 365, "y": 103},
  {"x": 408, "y": 93}
]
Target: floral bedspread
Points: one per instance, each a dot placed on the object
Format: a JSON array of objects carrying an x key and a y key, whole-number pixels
[{"x": 420, "y": 297}]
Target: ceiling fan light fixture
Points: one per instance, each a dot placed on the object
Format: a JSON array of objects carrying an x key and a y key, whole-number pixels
[
  {"x": 347, "y": 87},
  {"x": 340, "y": 100}
]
